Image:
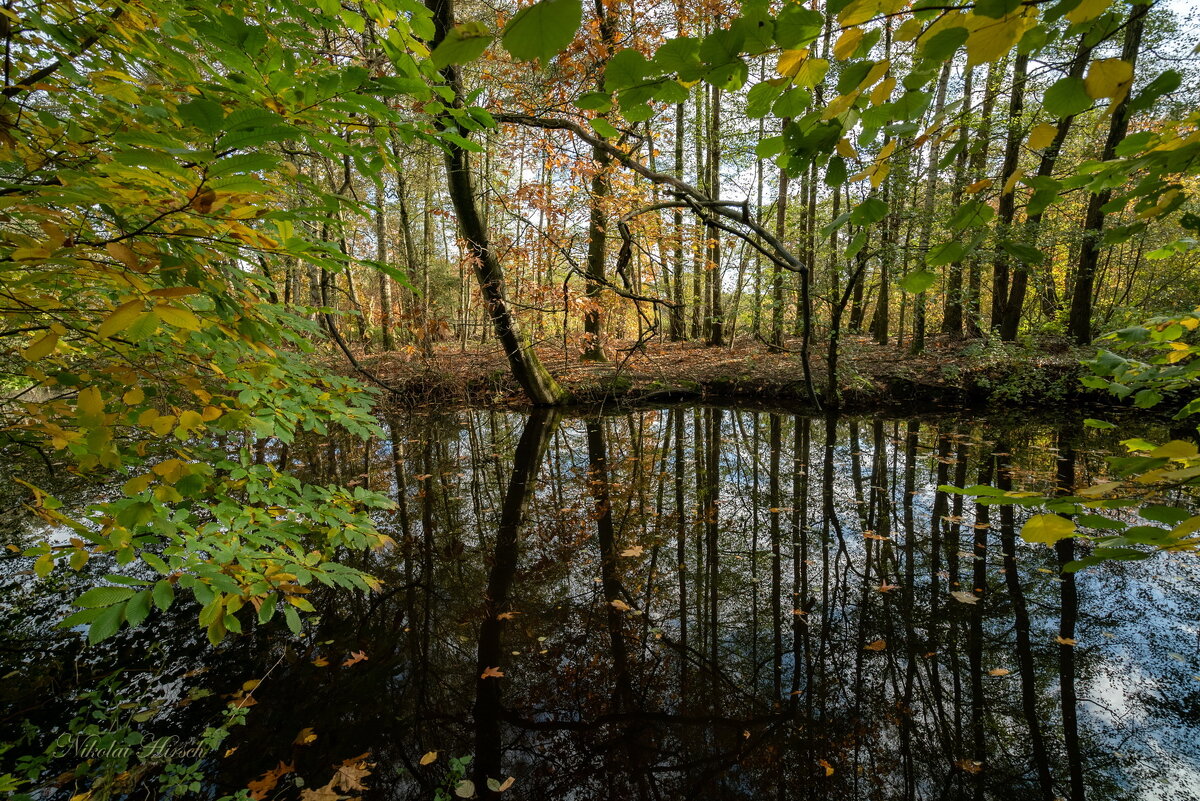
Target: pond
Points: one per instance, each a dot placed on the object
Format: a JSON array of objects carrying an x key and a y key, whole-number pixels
[{"x": 683, "y": 602}]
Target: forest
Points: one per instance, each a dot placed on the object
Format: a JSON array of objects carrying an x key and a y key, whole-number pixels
[{"x": 658, "y": 399}]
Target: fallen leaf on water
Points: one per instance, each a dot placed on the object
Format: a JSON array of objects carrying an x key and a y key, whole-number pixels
[
  {"x": 326, "y": 793},
  {"x": 970, "y": 765},
  {"x": 885, "y": 587},
  {"x": 507, "y": 615},
  {"x": 423, "y": 476},
  {"x": 354, "y": 658},
  {"x": 429, "y": 758},
  {"x": 633, "y": 550},
  {"x": 465, "y": 788},
  {"x": 999, "y": 672},
  {"x": 305, "y": 736},
  {"x": 871, "y": 535},
  {"x": 796, "y": 692},
  {"x": 877, "y": 645},
  {"x": 229, "y": 751},
  {"x": 320, "y": 661},
  {"x": 1066, "y": 640},
  {"x": 492, "y": 673},
  {"x": 502, "y": 786},
  {"x": 620, "y": 605},
  {"x": 799, "y": 612},
  {"x": 262, "y": 786},
  {"x": 351, "y": 772},
  {"x": 825, "y": 764},
  {"x": 965, "y": 597}
]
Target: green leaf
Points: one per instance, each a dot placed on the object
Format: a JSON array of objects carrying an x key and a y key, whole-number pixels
[
  {"x": 604, "y": 128},
  {"x": 163, "y": 594},
  {"x": 293, "y": 619},
  {"x": 1067, "y": 97},
  {"x": 106, "y": 624},
  {"x": 203, "y": 113},
  {"x": 625, "y": 69},
  {"x": 918, "y": 281},
  {"x": 542, "y": 30},
  {"x": 465, "y": 42},
  {"x": 103, "y": 596},
  {"x": 1026, "y": 254},
  {"x": 974, "y": 214},
  {"x": 138, "y": 608},
  {"x": 870, "y": 211},
  {"x": 1092, "y": 422},
  {"x": 797, "y": 26},
  {"x": 760, "y": 97},
  {"x": 594, "y": 101},
  {"x": 1047, "y": 529},
  {"x": 946, "y": 253},
  {"x": 1170, "y": 515}
]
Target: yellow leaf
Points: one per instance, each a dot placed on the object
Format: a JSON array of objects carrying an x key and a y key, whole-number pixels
[
  {"x": 1175, "y": 449},
  {"x": 1042, "y": 135},
  {"x": 878, "y": 173},
  {"x": 42, "y": 348},
  {"x": 190, "y": 420},
  {"x": 163, "y": 424},
  {"x": 177, "y": 316},
  {"x": 878, "y": 71},
  {"x": 877, "y": 645},
  {"x": 812, "y": 71},
  {"x": 979, "y": 186},
  {"x": 1088, "y": 9},
  {"x": 883, "y": 92},
  {"x": 305, "y": 736},
  {"x": 887, "y": 151},
  {"x": 1047, "y": 529},
  {"x": 134, "y": 396},
  {"x": 211, "y": 413},
  {"x": 136, "y": 486},
  {"x": 147, "y": 417},
  {"x": 429, "y": 758},
  {"x": 1066, "y": 640},
  {"x": 847, "y": 43},
  {"x": 825, "y": 764},
  {"x": 124, "y": 254},
  {"x": 1096, "y": 490},
  {"x": 620, "y": 605},
  {"x": 990, "y": 38},
  {"x": 89, "y": 401},
  {"x": 120, "y": 319},
  {"x": 1108, "y": 77},
  {"x": 790, "y": 62},
  {"x": 1011, "y": 183},
  {"x": 845, "y": 149}
]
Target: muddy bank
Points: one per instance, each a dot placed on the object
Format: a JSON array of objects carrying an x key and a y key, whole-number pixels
[{"x": 958, "y": 374}]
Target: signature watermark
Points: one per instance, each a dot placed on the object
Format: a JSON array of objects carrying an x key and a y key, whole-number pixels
[{"x": 110, "y": 746}]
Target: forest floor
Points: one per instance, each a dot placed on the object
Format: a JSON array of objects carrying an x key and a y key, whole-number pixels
[{"x": 964, "y": 372}]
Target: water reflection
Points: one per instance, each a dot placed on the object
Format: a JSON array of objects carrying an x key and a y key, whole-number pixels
[{"x": 698, "y": 602}]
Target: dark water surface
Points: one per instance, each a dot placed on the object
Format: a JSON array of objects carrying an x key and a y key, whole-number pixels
[{"x": 689, "y": 602}]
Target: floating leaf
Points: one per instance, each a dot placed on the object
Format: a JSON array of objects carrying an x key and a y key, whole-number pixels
[
  {"x": 492, "y": 673},
  {"x": 999, "y": 672},
  {"x": 965, "y": 597},
  {"x": 877, "y": 645},
  {"x": 429, "y": 758}
]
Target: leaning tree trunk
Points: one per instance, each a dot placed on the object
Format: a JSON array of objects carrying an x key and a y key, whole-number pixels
[{"x": 533, "y": 377}]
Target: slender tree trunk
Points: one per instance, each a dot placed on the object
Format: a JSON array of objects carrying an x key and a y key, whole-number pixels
[
  {"x": 918, "y": 343},
  {"x": 1008, "y": 202},
  {"x": 1079, "y": 323},
  {"x": 716, "y": 331},
  {"x": 533, "y": 377},
  {"x": 385, "y": 283}
]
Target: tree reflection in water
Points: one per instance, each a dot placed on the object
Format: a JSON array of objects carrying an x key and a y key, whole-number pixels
[{"x": 696, "y": 602}]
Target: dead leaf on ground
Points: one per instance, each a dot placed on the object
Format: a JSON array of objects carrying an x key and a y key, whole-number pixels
[{"x": 351, "y": 772}]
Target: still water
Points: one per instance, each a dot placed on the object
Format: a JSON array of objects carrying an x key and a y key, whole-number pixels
[{"x": 687, "y": 602}]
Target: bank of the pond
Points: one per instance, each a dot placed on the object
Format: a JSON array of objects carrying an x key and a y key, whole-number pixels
[{"x": 949, "y": 374}]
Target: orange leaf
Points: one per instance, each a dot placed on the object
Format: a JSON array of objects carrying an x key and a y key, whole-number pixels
[
  {"x": 492, "y": 673},
  {"x": 877, "y": 645},
  {"x": 1065, "y": 641},
  {"x": 999, "y": 672},
  {"x": 825, "y": 764},
  {"x": 429, "y": 758},
  {"x": 259, "y": 788},
  {"x": 321, "y": 661},
  {"x": 355, "y": 658},
  {"x": 305, "y": 736}
]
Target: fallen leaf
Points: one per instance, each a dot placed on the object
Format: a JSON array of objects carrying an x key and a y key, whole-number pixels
[
  {"x": 1065, "y": 640},
  {"x": 871, "y": 535},
  {"x": 354, "y": 658},
  {"x": 492, "y": 673},
  {"x": 262, "y": 786},
  {"x": 321, "y": 661},
  {"x": 229, "y": 751},
  {"x": 965, "y": 597},
  {"x": 999, "y": 672},
  {"x": 877, "y": 645},
  {"x": 305, "y": 736},
  {"x": 885, "y": 587},
  {"x": 465, "y": 788},
  {"x": 326, "y": 793},
  {"x": 351, "y": 773},
  {"x": 825, "y": 764},
  {"x": 970, "y": 765},
  {"x": 620, "y": 605},
  {"x": 507, "y": 615},
  {"x": 799, "y": 612},
  {"x": 634, "y": 550},
  {"x": 429, "y": 758},
  {"x": 504, "y": 785}
]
